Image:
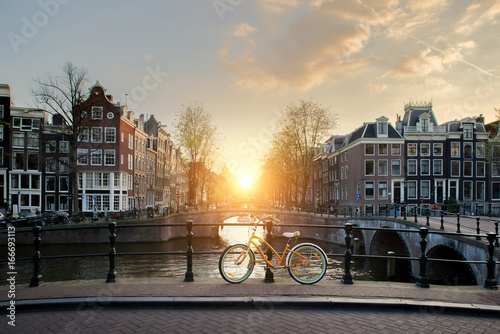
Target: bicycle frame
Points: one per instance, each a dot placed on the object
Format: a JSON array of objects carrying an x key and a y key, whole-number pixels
[{"x": 280, "y": 260}]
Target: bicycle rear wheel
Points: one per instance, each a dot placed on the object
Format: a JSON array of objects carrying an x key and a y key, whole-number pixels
[
  {"x": 307, "y": 263},
  {"x": 235, "y": 265}
]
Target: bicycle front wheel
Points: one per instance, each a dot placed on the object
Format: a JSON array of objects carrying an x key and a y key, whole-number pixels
[
  {"x": 235, "y": 265},
  {"x": 306, "y": 263}
]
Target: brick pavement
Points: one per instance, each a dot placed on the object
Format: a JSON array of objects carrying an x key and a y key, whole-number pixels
[{"x": 210, "y": 306}]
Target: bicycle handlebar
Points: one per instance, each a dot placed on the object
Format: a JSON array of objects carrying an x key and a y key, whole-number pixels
[{"x": 258, "y": 220}]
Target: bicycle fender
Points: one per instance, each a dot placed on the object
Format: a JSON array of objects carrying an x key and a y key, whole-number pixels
[{"x": 305, "y": 244}]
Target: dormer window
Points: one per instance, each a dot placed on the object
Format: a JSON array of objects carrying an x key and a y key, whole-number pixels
[
  {"x": 382, "y": 127},
  {"x": 425, "y": 125},
  {"x": 467, "y": 131}
]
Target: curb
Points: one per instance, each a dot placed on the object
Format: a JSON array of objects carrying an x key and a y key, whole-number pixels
[{"x": 254, "y": 303}]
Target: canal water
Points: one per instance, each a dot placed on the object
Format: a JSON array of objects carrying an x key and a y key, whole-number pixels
[{"x": 205, "y": 266}]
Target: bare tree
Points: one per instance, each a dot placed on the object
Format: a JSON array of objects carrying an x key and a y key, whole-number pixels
[
  {"x": 303, "y": 126},
  {"x": 198, "y": 139},
  {"x": 492, "y": 146},
  {"x": 62, "y": 96}
]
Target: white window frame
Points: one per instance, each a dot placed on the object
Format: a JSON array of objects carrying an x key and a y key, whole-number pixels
[
  {"x": 82, "y": 157},
  {"x": 408, "y": 149},
  {"x": 413, "y": 161},
  {"x": 422, "y": 147},
  {"x": 428, "y": 163},
  {"x": 97, "y": 154},
  {"x": 108, "y": 156},
  {"x": 110, "y": 135},
  {"x": 379, "y": 167},
  {"x": 439, "y": 147},
  {"x": 96, "y": 134},
  {"x": 455, "y": 162},
  {"x": 97, "y": 112},
  {"x": 479, "y": 163}
]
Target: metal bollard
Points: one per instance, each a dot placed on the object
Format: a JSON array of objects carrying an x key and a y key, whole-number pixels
[
  {"x": 347, "y": 278},
  {"x": 404, "y": 212},
  {"x": 356, "y": 246},
  {"x": 428, "y": 216},
  {"x": 189, "y": 277},
  {"x": 458, "y": 223},
  {"x": 490, "y": 282},
  {"x": 422, "y": 280},
  {"x": 442, "y": 220},
  {"x": 416, "y": 220},
  {"x": 478, "y": 229},
  {"x": 496, "y": 232},
  {"x": 36, "y": 279},
  {"x": 111, "y": 278},
  {"x": 269, "y": 277}
]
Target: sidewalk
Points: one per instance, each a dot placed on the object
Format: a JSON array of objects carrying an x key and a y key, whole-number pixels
[{"x": 155, "y": 292}]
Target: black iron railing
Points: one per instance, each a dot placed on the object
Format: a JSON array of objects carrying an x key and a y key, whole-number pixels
[{"x": 422, "y": 280}]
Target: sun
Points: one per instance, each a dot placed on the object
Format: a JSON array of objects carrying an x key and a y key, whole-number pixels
[{"x": 245, "y": 181}]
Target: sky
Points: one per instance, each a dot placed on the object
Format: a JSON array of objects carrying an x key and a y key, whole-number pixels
[{"x": 245, "y": 60}]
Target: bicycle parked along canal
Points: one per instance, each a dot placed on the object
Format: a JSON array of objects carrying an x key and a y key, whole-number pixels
[{"x": 306, "y": 262}]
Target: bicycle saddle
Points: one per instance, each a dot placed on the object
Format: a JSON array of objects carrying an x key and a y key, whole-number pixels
[{"x": 291, "y": 234}]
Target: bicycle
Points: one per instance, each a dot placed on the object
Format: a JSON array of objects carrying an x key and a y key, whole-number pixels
[{"x": 306, "y": 262}]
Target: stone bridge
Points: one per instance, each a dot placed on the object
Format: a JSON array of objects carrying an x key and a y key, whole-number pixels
[{"x": 379, "y": 242}]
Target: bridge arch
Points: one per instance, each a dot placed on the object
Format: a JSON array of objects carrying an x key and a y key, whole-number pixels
[
  {"x": 384, "y": 241},
  {"x": 449, "y": 273}
]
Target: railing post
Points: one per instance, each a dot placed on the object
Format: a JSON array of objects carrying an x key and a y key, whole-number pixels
[
  {"x": 496, "y": 232},
  {"x": 395, "y": 211},
  {"x": 478, "y": 229},
  {"x": 416, "y": 219},
  {"x": 427, "y": 217},
  {"x": 404, "y": 211},
  {"x": 111, "y": 278},
  {"x": 269, "y": 277},
  {"x": 36, "y": 279},
  {"x": 189, "y": 277},
  {"x": 490, "y": 282},
  {"x": 347, "y": 278},
  {"x": 458, "y": 223},
  {"x": 442, "y": 220},
  {"x": 391, "y": 265},
  {"x": 422, "y": 280}
]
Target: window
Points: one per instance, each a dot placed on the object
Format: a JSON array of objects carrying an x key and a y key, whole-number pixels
[
  {"x": 64, "y": 183},
  {"x": 467, "y": 131},
  {"x": 479, "y": 150},
  {"x": 467, "y": 190},
  {"x": 96, "y": 112},
  {"x": 437, "y": 167},
  {"x": 382, "y": 149},
  {"x": 18, "y": 139},
  {"x": 1, "y": 132},
  {"x": 395, "y": 167},
  {"x": 122, "y": 137},
  {"x": 130, "y": 141},
  {"x": 467, "y": 150},
  {"x": 425, "y": 167},
  {"x": 480, "y": 169},
  {"x": 425, "y": 149},
  {"x": 96, "y": 158},
  {"x": 382, "y": 190},
  {"x": 412, "y": 149},
  {"x": 495, "y": 190},
  {"x": 455, "y": 168},
  {"x": 84, "y": 135},
  {"x": 82, "y": 156},
  {"x": 383, "y": 168},
  {"x": 495, "y": 168},
  {"x": 35, "y": 182},
  {"x": 369, "y": 167},
  {"x": 64, "y": 146},
  {"x": 438, "y": 149},
  {"x": 50, "y": 203},
  {"x": 382, "y": 128},
  {"x": 32, "y": 161},
  {"x": 467, "y": 168},
  {"x": 109, "y": 157},
  {"x": 51, "y": 146},
  {"x": 64, "y": 202},
  {"x": 64, "y": 165},
  {"x": 110, "y": 135},
  {"x": 453, "y": 189},
  {"x": 412, "y": 167},
  {"x": 480, "y": 191},
  {"x": 369, "y": 190},
  {"x": 396, "y": 149},
  {"x": 455, "y": 149},
  {"x": 116, "y": 180},
  {"x": 1, "y": 111},
  {"x": 33, "y": 140},
  {"x": 50, "y": 183},
  {"x": 116, "y": 202},
  {"x": 425, "y": 188},
  {"x": 425, "y": 125},
  {"x": 18, "y": 160},
  {"x": 96, "y": 134},
  {"x": 341, "y": 173},
  {"x": 346, "y": 172},
  {"x": 26, "y": 124},
  {"x": 25, "y": 181},
  {"x": 369, "y": 149},
  {"x": 412, "y": 189},
  {"x": 16, "y": 122}
]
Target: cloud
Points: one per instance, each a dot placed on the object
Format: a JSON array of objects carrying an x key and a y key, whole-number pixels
[
  {"x": 280, "y": 6},
  {"x": 244, "y": 30},
  {"x": 479, "y": 13},
  {"x": 149, "y": 58},
  {"x": 376, "y": 88}
]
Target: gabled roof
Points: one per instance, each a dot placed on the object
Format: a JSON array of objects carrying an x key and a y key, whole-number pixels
[
  {"x": 413, "y": 112},
  {"x": 369, "y": 130}
]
